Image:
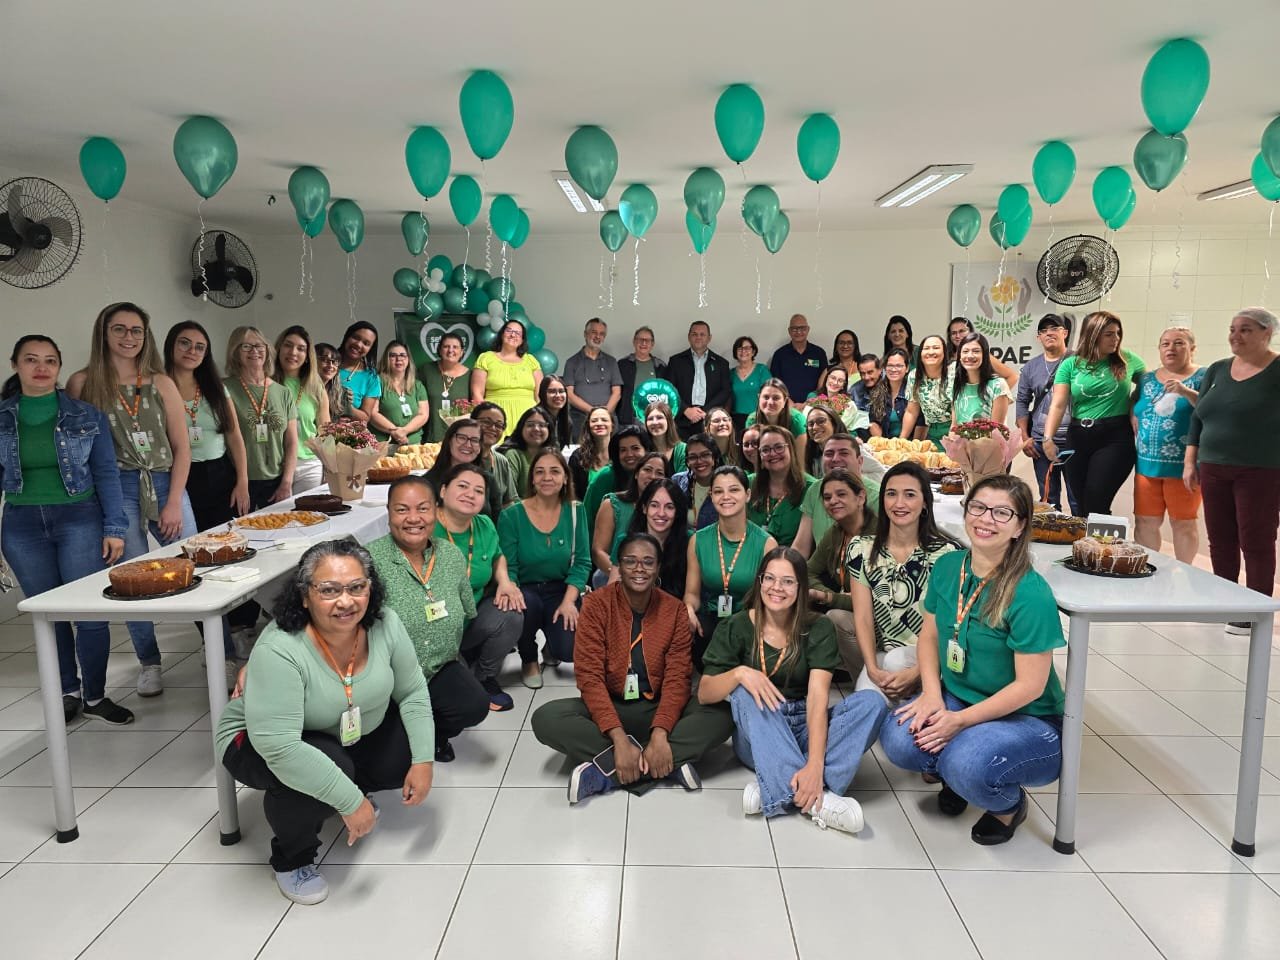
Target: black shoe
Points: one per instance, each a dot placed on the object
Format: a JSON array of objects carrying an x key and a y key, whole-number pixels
[
  {"x": 989, "y": 831},
  {"x": 951, "y": 803},
  {"x": 108, "y": 712},
  {"x": 499, "y": 699},
  {"x": 70, "y": 706},
  {"x": 444, "y": 752}
]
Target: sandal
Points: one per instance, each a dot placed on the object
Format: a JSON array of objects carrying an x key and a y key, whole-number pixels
[
  {"x": 990, "y": 832},
  {"x": 951, "y": 803}
]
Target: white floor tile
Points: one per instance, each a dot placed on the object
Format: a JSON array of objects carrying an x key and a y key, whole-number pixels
[
  {"x": 1219, "y": 711},
  {"x": 706, "y": 828},
  {"x": 686, "y": 896},
  {"x": 1132, "y": 638},
  {"x": 445, "y": 828},
  {"x": 17, "y": 747},
  {"x": 1203, "y": 638},
  {"x": 1176, "y": 673},
  {"x": 1222, "y": 916},
  {"x": 1217, "y": 814},
  {"x": 27, "y": 713},
  {"x": 535, "y": 765},
  {"x": 1270, "y": 749},
  {"x": 537, "y": 698},
  {"x": 1005, "y": 912},
  {"x": 545, "y": 912},
  {"x": 1238, "y": 667},
  {"x": 255, "y": 843},
  {"x": 537, "y": 825},
  {"x": 1272, "y": 880},
  {"x": 98, "y": 759},
  {"x": 19, "y": 670},
  {"x": 482, "y": 758},
  {"x": 1102, "y": 770},
  {"x": 187, "y": 761},
  {"x": 128, "y": 826},
  {"x": 1137, "y": 712},
  {"x": 887, "y": 839},
  {"x": 28, "y": 817},
  {"x": 177, "y": 709},
  {"x": 1187, "y": 764},
  {"x": 1101, "y": 674},
  {"x": 16, "y": 637},
  {"x": 876, "y": 906},
  {"x": 10, "y": 696}
]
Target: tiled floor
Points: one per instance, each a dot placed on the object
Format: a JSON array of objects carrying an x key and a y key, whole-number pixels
[{"x": 497, "y": 865}]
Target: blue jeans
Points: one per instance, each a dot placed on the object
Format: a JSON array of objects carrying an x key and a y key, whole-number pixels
[
  {"x": 50, "y": 546},
  {"x": 987, "y": 764},
  {"x": 143, "y": 632},
  {"x": 540, "y": 602},
  {"x": 775, "y": 744},
  {"x": 1041, "y": 465}
]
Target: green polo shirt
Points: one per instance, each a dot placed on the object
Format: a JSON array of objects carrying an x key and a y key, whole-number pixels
[{"x": 479, "y": 548}]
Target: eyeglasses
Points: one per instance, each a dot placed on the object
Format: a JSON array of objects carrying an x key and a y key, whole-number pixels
[
  {"x": 327, "y": 361},
  {"x": 192, "y": 346},
  {"x": 773, "y": 450},
  {"x": 488, "y": 423},
  {"x": 644, "y": 563},
  {"x": 797, "y": 329},
  {"x": 253, "y": 348},
  {"x": 786, "y": 583},
  {"x": 750, "y": 444},
  {"x": 999, "y": 514},
  {"x": 535, "y": 425},
  {"x": 698, "y": 457},
  {"x": 120, "y": 331},
  {"x": 332, "y": 590},
  {"x": 467, "y": 439}
]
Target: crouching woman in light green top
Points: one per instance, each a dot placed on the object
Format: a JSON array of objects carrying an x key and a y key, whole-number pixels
[{"x": 333, "y": 707}]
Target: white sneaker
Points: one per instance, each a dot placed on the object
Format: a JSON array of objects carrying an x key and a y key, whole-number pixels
[
  {"x": 149, "y": 682},
  {"x": 751, "y": 804},
  {"x": 1239, "y": 629},
  {"x": 842, "y": 813},
  {"x": 304, "y": 885}
]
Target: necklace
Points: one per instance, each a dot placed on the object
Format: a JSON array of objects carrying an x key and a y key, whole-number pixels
[{"x": 193, "y": 406}]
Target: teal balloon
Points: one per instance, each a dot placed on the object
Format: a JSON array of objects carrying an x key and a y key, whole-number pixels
[
  {"x": 778, "y": 232},
  {"x": 522, "y": 230},
  {"x": 638, "y": 208},
  {"x": 591, "y": 158},
  {"x": 1271, "y": 146},
  {"x": 313, "y": 228},
  {"x": 654, "y": 390},
  {"x": 462, "y": 274},
  {"x": 1266, "y": 182},
  {"x": 454, "y": 300},
  {"x": 346, "y": 220},
  {"x": 466, "y": 199},
  {"x": 536, "y": 337},
  {"x": 504, "y": 215},
  {"x": 308, "y": 192},
  {"x": 612, "y": 230},
  {"x": 477, "y": 300},
  {"x": 486, "y": 338},
  {"x": 739, "y": 121},
  {"x": 1159, "y": 159},
  {"x": 482, "y": 277},
  {"x": 102, "y": 166},
  {"x": 1010, "y": 234},
  {"x": 704, "y": 194},
  {"x": 415, "y": 229},
  {"x": 963, "y": 224},
  {"x": 442, "y": 263},
  {"x": 515, "y": 306},
  {"x": 520, "y": 317},
  {"x": 1174, "y": 84},
  {"x": 1053, "y": 170},
  {"x": 426, "y": 154},
  {"x": 547, "y": 360},
  {"x": 1111, "y": 191},
  {"x": 500, "y": 288},
  {"x": 1121, "y": 218},
  {"x": 407, "y": 282},
  {"x": 1013, "y": 200},
  {"x": 428, "y": 305},
  {"x": 818, "y": 146},
  {"x": 759, "y": 207},
  {"x": 487, "y": 112},
  {"x": 206, "y": 154},
  {"x": 700, "y": 233}
]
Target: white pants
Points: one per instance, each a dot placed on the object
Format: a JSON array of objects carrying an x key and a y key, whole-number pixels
[
  {"x": 893, "y": 660},
  {"x": 307, "y": 474}
]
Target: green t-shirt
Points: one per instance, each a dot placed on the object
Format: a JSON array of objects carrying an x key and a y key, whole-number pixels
[
  {"x": 479, "y": 548},
  {"x": 811, "y": 506},
  {"x": 562, "y": 555},
  {"x": 457, "y": 388},
  {"x": 264, "y": 452},
  {"x": 741, "y": 564},
  {"x": 734, "y": 644},
  {"x": 38, "y": 455},
  {"x": 780, "y": 516},
  {"x": 393, "y": 405},
  {"x": 1031, "y": 626},
  {"x": 308, "y": 412},
  {"x": 746, "y": 392},
  {"x": 1236, "y": 422},
  {"x": 798, "y": 426},
  {"x": 598, "y": 484},
  {"x": 973, "y": 402},
  {"x": 1095, "y": 392},
  {"x": 212, "y": 445}
]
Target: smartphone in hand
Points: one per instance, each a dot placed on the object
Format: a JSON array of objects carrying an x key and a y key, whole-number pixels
[{"x": 605, "y": 762}]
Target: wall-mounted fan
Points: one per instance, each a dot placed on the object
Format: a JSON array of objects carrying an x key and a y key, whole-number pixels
[
  {"x": 230, "y": 274},
  {"x": 40, "y": 233},
  {"x": 1078, "y": 270}
]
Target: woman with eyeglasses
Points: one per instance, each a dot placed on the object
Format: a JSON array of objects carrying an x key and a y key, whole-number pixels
[
  {"x": 591, "y": 455},
  {"x": 821, "y": 424},
  {"x": 988, "y": 720},
  {"x": 493, "y": 424},
  {"x": 532, "y": 433},
  {"x": 775, "y": 408},
  {"x": 976, "y": 391},
  {"x": 703, "y": 456},
  {"x": 749, "y": 378},
  {"x": 427, "y": 584},
  {"x": 268, "y": 417},
  {"x": 553, "y": 397},
  {"x": 447, "y": 381},
  {"x": 844, "y": 500},
  {"x": 509, "y": 376},
  {"x": 403, "y": 409},
  {"x": 545, "y": 540},
  {"x": 887, "y": 403},
  {"x": 125, "y": 379},
  {"x": 615, "y": 514},
  {"x": 461, "y": 444},
  {"x": 720, "y": 428},
  {"x": 929, "y": 394},
  {"x": 627, "y": 448},
  {"x": 779, "y": 488},
  {"x": 750, "y": 448},
  {"x": 660, "y": 512},
  {"x": 773, "y": 663},
  {"x": 328, "y": 360},
  {"x": 722, "y": 559},
  {"x": 661, "y": 425},
  {"x": 357, "y": 374},
  {"x": 313, "y": 740},
  {"x": 298, "y": 370}
]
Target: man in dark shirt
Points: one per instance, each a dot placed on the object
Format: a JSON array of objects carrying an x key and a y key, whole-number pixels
[
  {"x": 869, "y": 369},
  {"x": 701, "y": 377},
  {"x": 799, "y": 363}
]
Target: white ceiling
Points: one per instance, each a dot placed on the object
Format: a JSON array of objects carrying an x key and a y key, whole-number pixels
[{"x": 340, "y": 85}]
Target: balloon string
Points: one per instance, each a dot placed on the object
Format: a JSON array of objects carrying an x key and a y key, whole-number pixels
[
  {"x": 425, "y": 234},
  {"x": 351, "y": 286},
  {"x": 1004, "y": 252},
  {"x": 1151, "y": 255},
  {"x": 506, "y": 287},
  {"x": 613, "y": 273},
  {"x": 1049, "y": 243},
  {"x": 204, "y": 277},
  {"x": 466, "y": 255},
  {"x": 817, "y": 256},
  {"x": 311, "y": 274},
  {"x": 968, "y": 264},
  {"x": 602, "y": 301},
  {"x": 106, "y": 237},
  {"x": 302, "y": 266},
  {"x": 635, "y": 295},
  {"x": 1266, "y": 253},
  {"x": 1177, "y": 239},
  {"x": 757, "y": 283},
  {"x": 702, "y": 281},
  {"x": 770, "y": 294}
]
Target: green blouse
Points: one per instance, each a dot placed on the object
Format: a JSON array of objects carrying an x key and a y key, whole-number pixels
[
  {"x": 734, "y": 644},
  {"x": 741, "y": 561},
  {"x": 264, "y": 452},
  {"x": 780, "y": 516},
  {"x": 479, "y": 547},
  {"x": 437, "y": 386},
  {"x": 562, "y": 555},
  {"x": 393, "y": 406}
]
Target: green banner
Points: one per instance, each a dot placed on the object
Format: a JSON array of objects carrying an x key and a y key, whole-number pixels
[{"x": 423, "y": 336}]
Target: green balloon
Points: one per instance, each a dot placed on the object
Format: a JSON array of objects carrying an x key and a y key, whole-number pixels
[
  {"x": 1121, "y": 218},
  {"x": 704, "y": 194},
  {"x": 206, "y": 154},
  {"x": 442, "y": 263},
  {"x": 308, "y": 192},
  {"x": 428, "y": 305},
  {"x": 454, "y": 301},
  {"x": 818, "y": 146},
  {"x": 739, "y": 121},
  {"x": 700, "y": 233},
  {"x": 487, "y": 113},
  {"x": 638, "y": 208},
  {"x": 1271, "y": 146},
  {"x": 426, "y": 154},
  {"x": 313, "y": 228},
  {"x": 500, "y": 288},
  {"x": 1266, "y": 182},
  {"x": 477, "y": 300},
  {"x": 778, "y": 231},
  {"x": 1159, "y": 159},
  {"x": 465, "y": 198},
  {"x": 1111, "y": 191},
  {"x": 612, "y": 230},
  {"x": 536, "y": 337},
  {"x": 415, "y": 229},
  {"x": 1174, "y": 84},
  {"x": 407, "y": 282},
  {"x": 759, "y": 207},
  {"x": 515, "y": 306},
  {"x": 482, "y": 277},
  {"x": 1013, "y": 200},
  {"x": 102, "y": 166},
  {"x": 522, "y": 230},
  {"x": 520, "y": 317},
  {"x": 346, "y": 220},
  {"x": 1010, "y": 234},
  {"x": 486, "y": 337},
  {"x": 592, "y": 160},
  {"x": 654, "y": 390},
  {"x": 504, "y": 214},
  {"x": 547, "y": 360},
  {"x": 1053, "y": 170},
  {"x": 462, "y": 275},
  {"x": 963, "y": 224}
]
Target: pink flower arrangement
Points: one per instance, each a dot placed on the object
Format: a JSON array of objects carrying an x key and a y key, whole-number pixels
[
  {"x": 839, "y": 402},
  {"x": 982, "y": 447},
  {"x": 349, "y": 433}
]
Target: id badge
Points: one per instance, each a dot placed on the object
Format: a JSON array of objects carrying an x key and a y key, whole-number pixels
[
  {"x": 141, "y": 442},
  {"x": 436, "y": 611},
  {"x": 631, "y": 689},
  {"x": 195, "y": 433},
  {"x": 724, "y": 605},
  {"x": 445, "y": 404},
  {"x": 260, "y": 432},
  {"x": 405, "y": 410},
  {"x": 349, "y": 726},
  {"x": 955, "y": 656}
]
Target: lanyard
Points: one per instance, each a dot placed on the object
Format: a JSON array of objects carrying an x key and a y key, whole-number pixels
[
  {"x": 425, "y": 575},
  {"x": 193, "y": 408},
  {"x": 962, "y": 611},
  {"x": 471, "y": 542},
  {"x": 351, "y": 664},
  {"x": 258, "y": 407},
  {"x": 842, "y": 567},
  {"x": 776, "y": 663},
  {"x": 727, "y": 572},
  {"x": 137, "y": 400}
]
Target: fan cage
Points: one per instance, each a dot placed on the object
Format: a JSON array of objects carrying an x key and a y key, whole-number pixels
[
  {"x": 41, "y": 201},
  {"x": 1102, "y": 268},
  {"x": 239, "y": 253}
]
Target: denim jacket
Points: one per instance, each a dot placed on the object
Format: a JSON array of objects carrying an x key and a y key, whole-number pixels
[
  {"x": 86, "y": 453},
  {"x": 707, "y": 512}
]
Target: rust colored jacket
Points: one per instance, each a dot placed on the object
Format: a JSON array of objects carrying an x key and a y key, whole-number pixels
[{"x": 602, "y": 654}]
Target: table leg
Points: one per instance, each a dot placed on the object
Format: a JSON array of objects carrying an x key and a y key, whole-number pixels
[
  {"x": 1255, "y": 715},
  {"x": 216, "y": 675},
  {"x": 1064, "y": 838},
  {"x": 55, "y": 730}
]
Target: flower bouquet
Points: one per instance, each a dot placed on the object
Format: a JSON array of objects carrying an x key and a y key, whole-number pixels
[
  {"x": 982, "y": 447},
  {"x": 347, "y": 450},
  {"x": 458, "y": 410},
  {"x": 845, "y": 408}
]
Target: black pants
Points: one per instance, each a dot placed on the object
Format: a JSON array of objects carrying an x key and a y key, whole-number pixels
[
  {"x": 377, "y": 761},
  {"x": 1104, "y": 457},
  {"x": 457, "y": 700},
  {"x": 209, "y": 485},
  {"x": 260, "y": 491}
]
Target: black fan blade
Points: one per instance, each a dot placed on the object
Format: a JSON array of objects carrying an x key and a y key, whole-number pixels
[
  {"x": 220, "y": 247},
  {"x": 242, "y": 276},
  {"x": 13, "y": 205},
  {"x": 61, "y": 230},
  {"x": 9, "y": 237}
]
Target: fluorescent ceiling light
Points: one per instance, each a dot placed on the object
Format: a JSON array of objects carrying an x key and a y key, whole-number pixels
[
  {"x": 929, "y": 180},
  {"x": 1231, "y": 191},
  {"x": 578, "y": 200}
]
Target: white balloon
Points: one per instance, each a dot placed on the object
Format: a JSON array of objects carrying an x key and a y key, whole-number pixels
[
  {"x": 436, "y": 286},
  {"x": 496, "y": 323},
  {"x": 436, "y": 274},
  {"x": 495, "y": 308}
]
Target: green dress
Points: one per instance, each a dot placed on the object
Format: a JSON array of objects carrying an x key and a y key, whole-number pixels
[
  {"x": 437, "y": 385},
  {"x": 393, "y": 406},
  {"x": 741, "y": 559}
]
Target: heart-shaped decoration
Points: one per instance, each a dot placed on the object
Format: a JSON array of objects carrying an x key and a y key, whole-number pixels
[{"x": 431, "y": 332}]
